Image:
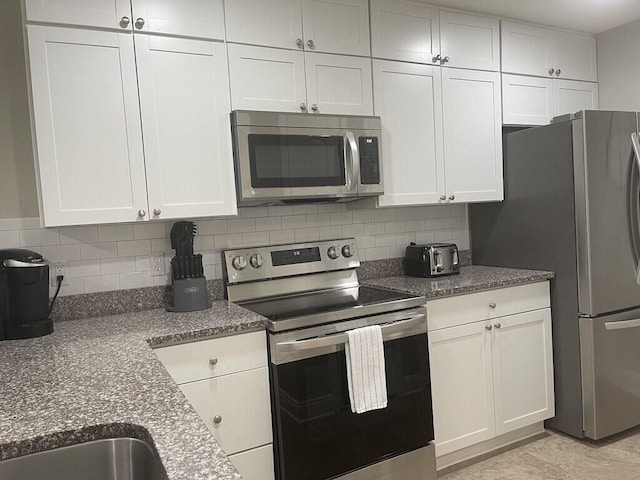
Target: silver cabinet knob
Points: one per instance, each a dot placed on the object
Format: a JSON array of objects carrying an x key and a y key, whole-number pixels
[
  {"x": 558, "y": 72},
  {"x": 488, "y": 327},
  {"x": 311, "y": 44},
  {"x": 551, "y": 70},
  {"x": 213, "y": 361},
  {"x": 300, "y": 43},
  {"x": 141, "y": 213},
  {"x": 139, "y": 23},
  {"x": 443, "y": 197},
  {"x": 124, "y": 22},
  {"x": 314, "y": 107},
  {"x": 332, "y": 252},
  {"x": 239, "y": 263},
  {"x": 217, "y": 419},
  {"x": 157, "y": 211},
  {"x": 498, "y": 325},
  {"x": 452, "y": 197},
  {"x": 436, "y": 59},
  {"x": 444, "y": 60},
  {"x": 303, "y": 106},
  {"x": 492, "y": 305},
  {"x": 256, "y": 260}
]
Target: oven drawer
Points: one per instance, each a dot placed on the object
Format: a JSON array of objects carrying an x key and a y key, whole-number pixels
[
  {"x": 214, "y": 357},
  {"x": 236, "y": 408},
  {"x": 473, "y": 307}
]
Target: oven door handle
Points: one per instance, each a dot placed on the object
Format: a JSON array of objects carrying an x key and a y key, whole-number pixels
[{"x": 340, "y": 338}]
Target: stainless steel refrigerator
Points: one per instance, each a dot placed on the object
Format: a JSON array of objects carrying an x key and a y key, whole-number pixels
[{"x": 572, "y": 206}]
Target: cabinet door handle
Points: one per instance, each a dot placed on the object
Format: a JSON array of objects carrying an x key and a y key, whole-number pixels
[
  {"x": 443, "y": 197},
  {"x": 141, "y": 213},
  {"x": 217, "y": 419},
  {"x": 303, "y": 106},
  {"x": 452, "y": 197},
  {"x": 139, "y": 23},
  {"x": 124, "y": 22},
  {"x": 488, "y": 327},
  {"x": 314, "y": 107},
  {"x": 213, "y": 361},
  {"x": 558, "y": 72},
  {"x": 492, "y": 305},
  {"x": 444, "y": 60},
  {"x": 311, "y": 44},
  {"x": 157, "y": 211},
  {"x": 300, "y": 43},
  {"x": 498, "y": 325},
  {"x": 436, "y": 59}
]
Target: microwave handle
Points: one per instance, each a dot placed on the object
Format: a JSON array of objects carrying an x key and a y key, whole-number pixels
[{"x": 353, "y": 161}]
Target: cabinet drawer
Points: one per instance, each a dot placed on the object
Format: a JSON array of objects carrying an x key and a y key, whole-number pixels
[
  {"x": 241, "y": 400},
  {"x": 214, "y": 357},
  {"x": 472, "y": 307},
  {"x": 256, "y": 464}
]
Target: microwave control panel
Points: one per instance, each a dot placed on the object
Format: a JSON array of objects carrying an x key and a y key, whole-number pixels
[{"x": 369, "y": 161}]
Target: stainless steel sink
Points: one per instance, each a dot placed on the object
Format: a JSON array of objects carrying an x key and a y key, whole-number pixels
[{"x": 113, "y": 459}]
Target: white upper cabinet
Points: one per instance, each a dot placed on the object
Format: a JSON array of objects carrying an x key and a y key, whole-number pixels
[
  {"x": 469, "y": 41},
  {"x": 414, "y": 32},
  {"x": 188, "y": 162},
  {"x": 91, "y": 13},
  {"x": 570, "y": 96},
  {"x": 472, "y": 118},
  {"x": 328, "y": 26},
  {"x": 87, "y": 126},
  {"x": 192, "y": 18},
  {"x": 403, "y": 30},
  {"x": 408, "y": 98},
  {"x": 336, "y": 26},
  {"x": 339, "y": 84},
  {"x": 542, "y": 52}
]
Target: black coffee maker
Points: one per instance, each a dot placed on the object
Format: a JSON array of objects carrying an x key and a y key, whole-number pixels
[{"x": 24, "y": 295}]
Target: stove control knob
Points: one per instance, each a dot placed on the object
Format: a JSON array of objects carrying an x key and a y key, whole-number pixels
[
  {"x": 239, "y": 263},
  {"x": 332, "y": 252},
  {"x": 347, "y": 251},
  {"x": 256, "y": 260}
]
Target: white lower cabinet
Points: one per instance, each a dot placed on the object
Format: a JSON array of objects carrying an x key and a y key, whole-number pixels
[
  {"x": 493, "y": 374},
  {"x": 535, "y": 100},
  {"x": 226, "y": 380}
]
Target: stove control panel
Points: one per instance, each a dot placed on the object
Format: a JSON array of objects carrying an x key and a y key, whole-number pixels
[{"x": 259, "y": 263}]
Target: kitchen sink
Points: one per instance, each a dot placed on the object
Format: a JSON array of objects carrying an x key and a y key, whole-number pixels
[{"x": 113, "y": 459}]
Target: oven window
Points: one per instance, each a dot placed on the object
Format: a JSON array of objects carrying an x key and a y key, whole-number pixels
[
  {"x": 319, "y": 437},
  {"x": 296, "y": 160}
]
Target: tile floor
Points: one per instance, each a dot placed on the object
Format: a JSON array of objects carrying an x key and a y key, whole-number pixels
[{"x": 558, "y": 457}]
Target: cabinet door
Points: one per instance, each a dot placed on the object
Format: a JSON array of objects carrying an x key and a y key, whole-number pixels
[
  {"x": 256, "y": 464},
  {"x": 526, "y": 100},
  {"x": 266, "y": 79},
  {"x": 90, "y": 13},
  {"x": 469, "y": 41},
  {"x": 523, "y": 370},
  {"x": 462, "y": 386},
  {"x": 527, "y": 50},
  {"x": 87, "y": 126},
  {"x": 339, "y": 84},
  {"x": 276, "y": 23},
  {"x": 336, "y": 26},
  {"x": 403, "y": 30},
  {"x": 574, "y": 56},
  {"x": 472, "y": 135},
  {"x": 570, "y": 96},
  {"x": 184, "y": 98},
  {"x": 191, "y": 18},
  {"x": 242, "y": 402},
  {"x": 408, "y": 98}
]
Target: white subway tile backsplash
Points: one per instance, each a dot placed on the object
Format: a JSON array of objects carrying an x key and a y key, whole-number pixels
[
  {"x": 110, "y": 257},
  {"x": 9, "y": 239},
  {"x": 39, "y": 237},
  {"x": 94, "y": 251},
  {"x": 75, "y": 286}
]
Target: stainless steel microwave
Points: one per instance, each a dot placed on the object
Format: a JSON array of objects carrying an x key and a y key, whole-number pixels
[{"x": 300, "y": 157}]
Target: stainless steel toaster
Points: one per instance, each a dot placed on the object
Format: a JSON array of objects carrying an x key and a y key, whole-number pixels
[{"x": 431, "y": 260}]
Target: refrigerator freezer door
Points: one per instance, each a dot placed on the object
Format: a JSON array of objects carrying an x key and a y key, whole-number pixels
[
  {"x": 610, "y": 373},
  {"x": 603, "y": 174}
]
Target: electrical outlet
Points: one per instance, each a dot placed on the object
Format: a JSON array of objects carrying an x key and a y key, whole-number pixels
[
  {"x": 56, "y": 271},
  {"x": 156, "y": 263}
]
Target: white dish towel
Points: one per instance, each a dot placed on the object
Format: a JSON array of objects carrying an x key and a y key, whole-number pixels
[{"x": 366, "y": 376}]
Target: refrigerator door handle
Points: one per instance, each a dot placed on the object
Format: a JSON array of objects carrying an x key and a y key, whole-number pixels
[
  {"x": 636, "y": 147},
  {"x": 622, "y": 325},
  {"x": 634, "y": 225}
]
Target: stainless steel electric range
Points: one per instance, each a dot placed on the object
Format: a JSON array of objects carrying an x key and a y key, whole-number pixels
[{"x": 310, "y": 295}]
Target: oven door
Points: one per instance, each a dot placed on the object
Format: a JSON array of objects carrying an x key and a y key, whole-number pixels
[
  {"x": 318, "y": 437},
  {"x": 280, "y": 163}
]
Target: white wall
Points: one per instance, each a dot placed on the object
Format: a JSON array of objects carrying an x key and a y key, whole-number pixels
[{"x": 619, "y": 68}]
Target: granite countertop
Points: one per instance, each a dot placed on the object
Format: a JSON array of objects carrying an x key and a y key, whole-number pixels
[
  {"x": 99, "y": 378},
  {"x": 472, "y": 278}
]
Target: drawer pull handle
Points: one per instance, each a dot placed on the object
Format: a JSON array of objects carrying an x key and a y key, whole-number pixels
[
  {"x": 488, "y": 327},
  {"x": 217, "y": 419},
  {"x": 213, "y": 361},
  {"x": 498, "y": 325},
  {"x": 492, "y": 305}
]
